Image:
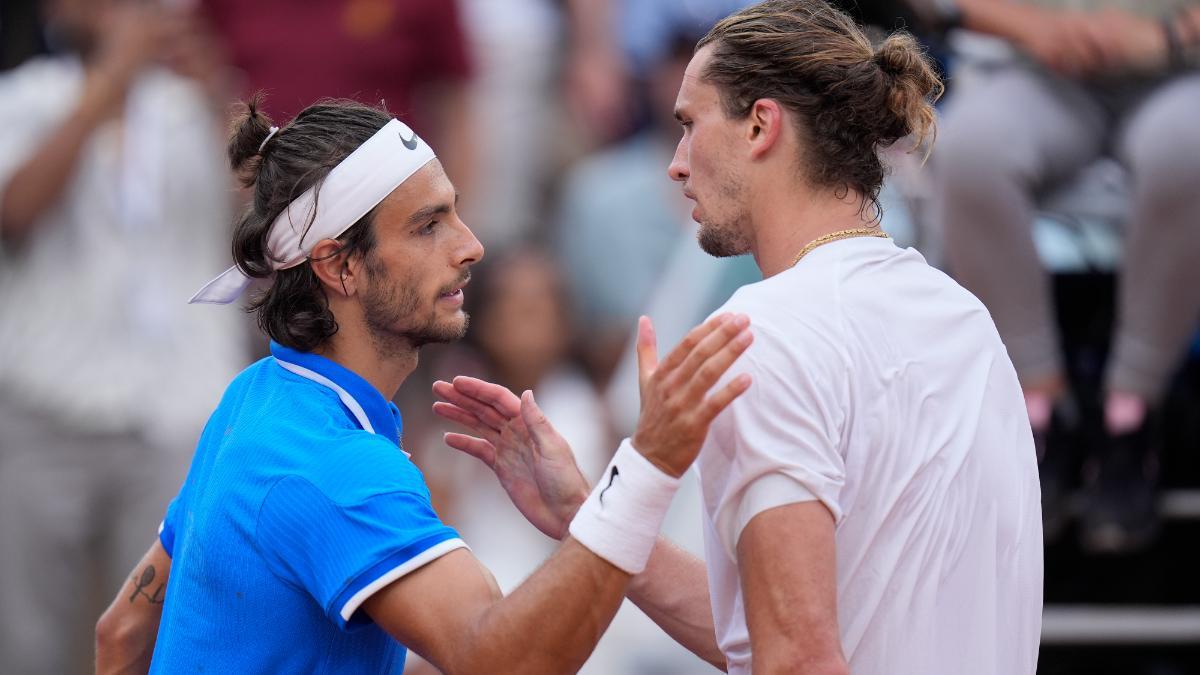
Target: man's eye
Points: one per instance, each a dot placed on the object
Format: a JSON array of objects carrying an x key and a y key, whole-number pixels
[{"x": 428, "y": 227}]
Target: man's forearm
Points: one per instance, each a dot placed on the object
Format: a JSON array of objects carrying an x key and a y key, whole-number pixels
[
  {"x": 126, "y": 633},
  {"x": 673, "y": 592},
  {"x": 1001, "y": 18},
  {"x": 549, "y": 624}
]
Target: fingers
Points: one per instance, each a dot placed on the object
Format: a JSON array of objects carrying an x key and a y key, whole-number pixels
[
  {"x": 693, "y": 338},
  {"x": 696, "y": 383},
  {"x": 499, "y": 398},
  {"x": 709, "y": 346},
  {"x": 475, "y": 447},
  {"x": 453, "y": 413},
  {"x": 714, "y": 404},
  {"x": 486, "y": 413},
  {"x": 545, "y": 436},
  {"x": 647, "y": 350}
]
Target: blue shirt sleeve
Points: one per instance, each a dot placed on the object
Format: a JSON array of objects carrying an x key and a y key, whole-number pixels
[{"x": 342, "y": 552}]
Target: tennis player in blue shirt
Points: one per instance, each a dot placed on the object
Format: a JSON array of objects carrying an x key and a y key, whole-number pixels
[{"x": 303, "y": 540}]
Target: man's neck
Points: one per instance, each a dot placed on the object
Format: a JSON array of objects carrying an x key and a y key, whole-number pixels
[
  {"x": 385, "y": 368},
  {"x": 786, "y": 221}
]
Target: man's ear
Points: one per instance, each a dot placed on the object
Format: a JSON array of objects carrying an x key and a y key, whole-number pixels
[
  {"x": 764, "y": 126},
  {"x": 334, "y": 268}
]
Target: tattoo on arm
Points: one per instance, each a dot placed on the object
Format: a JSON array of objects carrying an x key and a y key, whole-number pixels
[{"x": 147, "y": 578}]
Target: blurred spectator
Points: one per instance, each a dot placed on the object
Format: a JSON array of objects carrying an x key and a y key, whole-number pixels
[
  {"x": 113, "y": 209},
  {"x": 616, "y": 43},
  {"x": 409, "y": 54},
  {"x": 1095, "y": 77},
  {"x": 515, "y": 112}
]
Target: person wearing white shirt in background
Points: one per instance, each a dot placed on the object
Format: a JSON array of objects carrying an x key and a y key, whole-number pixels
[
  {"x": 872, "y": 504},
  {"x": 114, "y": 204}
]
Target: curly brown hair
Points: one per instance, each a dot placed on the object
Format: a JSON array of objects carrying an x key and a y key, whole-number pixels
[{"x": 851, "y": 98}]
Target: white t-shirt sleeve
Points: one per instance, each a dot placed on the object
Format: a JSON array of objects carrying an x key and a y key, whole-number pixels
[{"x": 781, "y": 439}]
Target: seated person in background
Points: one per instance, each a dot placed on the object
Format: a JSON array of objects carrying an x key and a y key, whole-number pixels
[{"x": 1111, "y": 76}]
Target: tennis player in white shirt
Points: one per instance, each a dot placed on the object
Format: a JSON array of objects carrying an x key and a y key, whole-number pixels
[{"x": 871, "y": 504}]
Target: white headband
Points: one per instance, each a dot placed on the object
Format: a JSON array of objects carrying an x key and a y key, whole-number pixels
[{"x": 351, "y": 189}]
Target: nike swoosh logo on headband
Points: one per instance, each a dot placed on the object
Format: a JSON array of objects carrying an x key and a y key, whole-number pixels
[{"x": 410, "y": 143}]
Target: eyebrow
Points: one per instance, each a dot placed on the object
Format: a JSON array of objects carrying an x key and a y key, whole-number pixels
[{"x": 427, "y": 212}]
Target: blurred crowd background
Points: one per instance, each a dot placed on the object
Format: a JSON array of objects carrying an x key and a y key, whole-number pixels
[{"x": 1062, "y": 190}]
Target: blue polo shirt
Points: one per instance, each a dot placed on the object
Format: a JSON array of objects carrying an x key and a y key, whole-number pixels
[{"x": 299, "y": 505}]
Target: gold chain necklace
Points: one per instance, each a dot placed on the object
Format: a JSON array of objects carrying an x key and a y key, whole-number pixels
[{"x": 837, "y": 236}]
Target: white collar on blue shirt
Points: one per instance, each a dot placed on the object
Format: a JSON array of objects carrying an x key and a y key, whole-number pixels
[{"x": 363, "y": 401}]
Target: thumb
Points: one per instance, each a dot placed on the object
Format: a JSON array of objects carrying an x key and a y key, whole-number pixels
[{"x": 647, "y": 351}]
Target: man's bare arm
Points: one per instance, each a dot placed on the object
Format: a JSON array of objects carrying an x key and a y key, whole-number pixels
[
  {"x": 673, "y": 592},
  {"x": 127, "y": 630},
  {"x": 448, "y": 613},
  {"x": 788, "y": 572}
]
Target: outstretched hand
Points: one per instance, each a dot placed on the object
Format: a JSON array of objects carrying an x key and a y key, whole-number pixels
[
  {"x": 514, "y": 439},
  {"x": 676, "y": 406},
  {"x": 535, "y": 464}
]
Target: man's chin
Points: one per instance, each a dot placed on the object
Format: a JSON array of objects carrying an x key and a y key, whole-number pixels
[
  {"x": 719, "y": 244},
  {"x": 440, "y": 332}
]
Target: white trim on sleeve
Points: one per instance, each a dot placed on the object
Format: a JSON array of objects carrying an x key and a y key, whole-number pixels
[
  {"x": 419, "y": 560},
  {"x": 770, "y": 491}
]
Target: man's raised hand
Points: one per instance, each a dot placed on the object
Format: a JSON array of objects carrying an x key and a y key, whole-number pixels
[
  {"x": 534, "y": 463},
  {"x": 531, "y": 459},
  {"x": 676, "y": 409}
]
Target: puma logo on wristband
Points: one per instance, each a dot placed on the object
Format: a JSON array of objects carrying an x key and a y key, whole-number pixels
[{"x": 611, "y": 478}]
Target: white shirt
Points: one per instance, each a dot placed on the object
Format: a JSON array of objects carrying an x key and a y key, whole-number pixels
[
  {"x": 95, "y": 327},
  {"x": 882, "y": 389}
]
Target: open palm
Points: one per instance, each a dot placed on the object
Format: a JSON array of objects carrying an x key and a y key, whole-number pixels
[{"x": 531, "y": 459}]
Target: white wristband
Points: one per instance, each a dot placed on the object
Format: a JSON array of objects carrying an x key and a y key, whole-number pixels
[{"x": 621, "y": 518}]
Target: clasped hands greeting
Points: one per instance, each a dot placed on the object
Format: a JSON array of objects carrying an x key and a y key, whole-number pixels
[{"x": 535, "y": 464}]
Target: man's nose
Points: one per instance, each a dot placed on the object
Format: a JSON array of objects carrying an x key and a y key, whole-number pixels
[
  {"x": 678, "y": 169},
  {"x": 471, "y": 250}
]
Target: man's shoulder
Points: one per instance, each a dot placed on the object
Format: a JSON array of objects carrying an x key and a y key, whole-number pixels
[
  {"x": 785, "y": 314},
  {"x": 794, "y": 288},
  {"x": 279, "y": 395}
]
